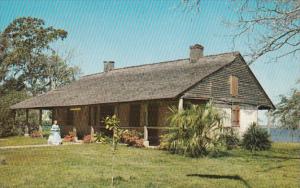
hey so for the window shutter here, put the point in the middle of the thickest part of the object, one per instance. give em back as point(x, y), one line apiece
point(234, 85)
point(235, 115)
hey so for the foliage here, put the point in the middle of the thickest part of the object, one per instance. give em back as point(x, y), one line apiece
point(7, 127)
point(288, 111)
point(70, 137)
point(36, 134)
point(230, 139)
point(27, 59)
point(46, 130)
point(194, 131)
point(132, 138)
point(29, 65)
point(256, 138)
point(102, 138)
point(113, 124)
point(87, 139)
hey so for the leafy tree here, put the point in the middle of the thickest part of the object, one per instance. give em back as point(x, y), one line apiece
point(27, 58)
point(288, 111)
point(7, 127)
point(194, 131)
point(28, 63)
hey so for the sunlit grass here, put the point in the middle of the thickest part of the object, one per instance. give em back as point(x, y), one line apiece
point(21, 140)
point(89, 165)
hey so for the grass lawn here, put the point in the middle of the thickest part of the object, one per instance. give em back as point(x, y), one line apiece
point(89, 165)
point(21, 140)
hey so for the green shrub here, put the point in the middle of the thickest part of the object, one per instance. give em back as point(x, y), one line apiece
point(194, 131)
point(256, 139)
point(102, 138)
point(230, 139)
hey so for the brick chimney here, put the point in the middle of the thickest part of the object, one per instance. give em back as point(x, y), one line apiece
point(109, 66)
point(196, 52)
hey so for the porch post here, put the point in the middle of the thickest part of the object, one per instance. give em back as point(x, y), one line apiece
point(53, 114)
point(14, 112)
point(40, 116)
point(146, 141)
point(92, 134)
point(116, 110)
point(26, 126)
point(75, 134)
point(180, 104)
point(269, 122)
point(40, 122)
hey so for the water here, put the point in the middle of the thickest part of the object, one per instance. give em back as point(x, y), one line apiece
point(284, 135)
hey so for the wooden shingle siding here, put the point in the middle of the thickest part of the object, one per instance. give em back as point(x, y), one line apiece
point(217, 86)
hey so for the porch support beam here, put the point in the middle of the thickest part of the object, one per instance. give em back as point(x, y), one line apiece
point(27, 114)
point(26, 132)
point(40, 122)
point(269, 120)
point(40, 117)
point(116, 110)
point(14, 112)
point(145, 109)
point(53, 111)
point(180, 104)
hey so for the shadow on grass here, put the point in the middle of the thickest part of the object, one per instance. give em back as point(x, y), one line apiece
point(213, 176)
point(219, 154)
point(275, 168)
point(274, 157)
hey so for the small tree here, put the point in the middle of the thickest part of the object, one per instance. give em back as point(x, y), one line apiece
point(193, 131)
point(113, 124)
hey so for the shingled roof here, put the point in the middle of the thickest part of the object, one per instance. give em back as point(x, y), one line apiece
point(146, 82)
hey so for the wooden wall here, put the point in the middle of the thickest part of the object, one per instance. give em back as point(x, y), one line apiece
point(217, 86)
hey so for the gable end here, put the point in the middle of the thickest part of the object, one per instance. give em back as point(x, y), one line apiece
point(217, 87)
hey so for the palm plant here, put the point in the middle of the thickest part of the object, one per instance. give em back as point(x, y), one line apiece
point(194, 131)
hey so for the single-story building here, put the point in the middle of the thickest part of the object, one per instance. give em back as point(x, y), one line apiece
point(141, 95)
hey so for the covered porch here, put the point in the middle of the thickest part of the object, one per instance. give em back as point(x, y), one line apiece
point(146, 117)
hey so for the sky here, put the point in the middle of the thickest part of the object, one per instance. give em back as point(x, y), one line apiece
point(141, 32)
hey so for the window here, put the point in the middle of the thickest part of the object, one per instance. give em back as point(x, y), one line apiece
point(235, 116)
point(234, 86)
point(134, 115)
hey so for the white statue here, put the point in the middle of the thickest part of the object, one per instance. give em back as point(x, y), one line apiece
point(54, 137)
